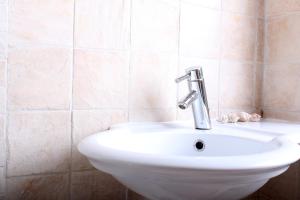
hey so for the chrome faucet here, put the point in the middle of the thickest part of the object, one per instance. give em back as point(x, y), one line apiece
point(197, 97)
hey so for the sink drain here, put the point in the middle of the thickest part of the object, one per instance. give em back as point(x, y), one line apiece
point(199, 145)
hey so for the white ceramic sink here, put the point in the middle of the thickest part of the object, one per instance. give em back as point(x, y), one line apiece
point(162, 161)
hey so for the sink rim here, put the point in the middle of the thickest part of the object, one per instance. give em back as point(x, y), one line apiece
point(265, 160)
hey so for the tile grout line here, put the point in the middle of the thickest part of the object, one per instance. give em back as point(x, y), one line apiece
point(265, 52)
point(178, 59)
point(71, 105)
point(264, 58)
point(254, 70)
point(220, 59)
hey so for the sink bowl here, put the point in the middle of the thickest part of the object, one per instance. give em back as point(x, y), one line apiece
point(172, 161)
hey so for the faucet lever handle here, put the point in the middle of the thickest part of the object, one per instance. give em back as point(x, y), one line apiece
point(181, 78)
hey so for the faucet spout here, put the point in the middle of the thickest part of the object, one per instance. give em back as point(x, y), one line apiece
point(188, 100)
point(197, 98)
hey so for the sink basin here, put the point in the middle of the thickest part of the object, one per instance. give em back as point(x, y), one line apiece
point(172, 161)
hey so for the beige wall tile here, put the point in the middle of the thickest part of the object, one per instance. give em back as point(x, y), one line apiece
point(2, 152)
point(239, 37)
point(3, 45)
point(2, 141)
point(279, 7)
point(282, 115)
point(53, 187)
point(260, 43)
point(152, 80)
point(211, 76)
point(2, 99)
point(38, 142)
point(2, 85)
point(39, 78)
point(102, 24)
point(236, 85)
point(259, 70)
point(86, 123)
point(247, 7)
point(282, 71)
point(2, 181)
point(156, 115)
point(2, 72)
point(282, 39)
point(155, 25)
point(100, 79)
point(216, 4)
point(281, 87)
point(3, 29)
point(199, 31)
point(3, 16)
point(41, 22)
point(95, 185)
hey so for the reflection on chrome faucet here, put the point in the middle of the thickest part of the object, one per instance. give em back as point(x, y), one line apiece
point(197, 97)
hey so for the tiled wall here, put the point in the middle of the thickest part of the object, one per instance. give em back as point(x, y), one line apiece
point(282, 60)
point(281, 88)
point(225, 37)
point(74, 67)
